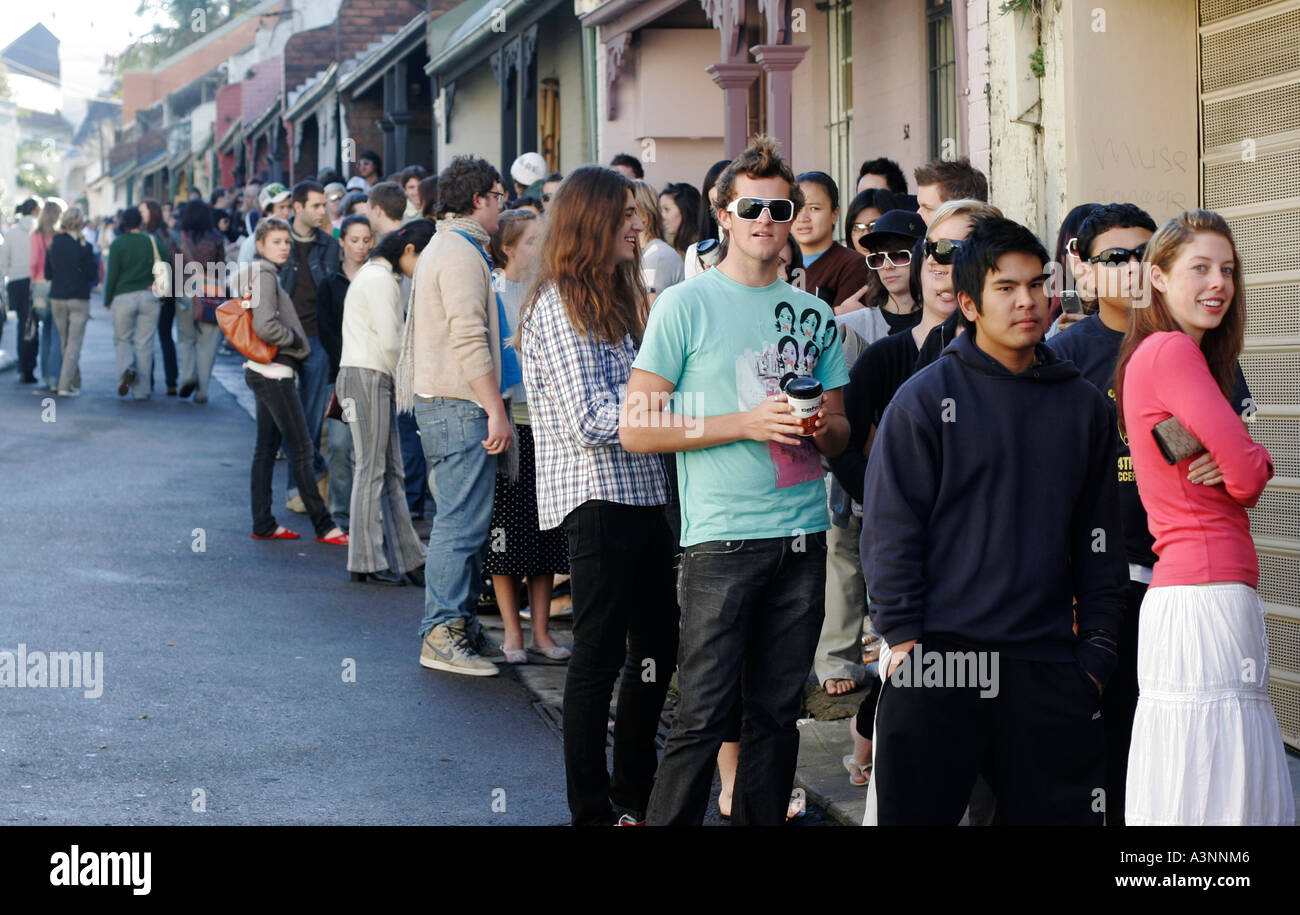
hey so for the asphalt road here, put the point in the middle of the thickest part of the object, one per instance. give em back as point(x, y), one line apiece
point(223, 682)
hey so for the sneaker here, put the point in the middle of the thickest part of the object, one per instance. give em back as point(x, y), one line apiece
point(296, 504)
point(125, 382)
point(486, 648)
point(446, 647)
point(74, 392)
point(628, 820)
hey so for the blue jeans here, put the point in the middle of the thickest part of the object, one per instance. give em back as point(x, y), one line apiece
point(314, 389)
point(415, 469)
point(339, 441)
point(751, 614)
point(462, 479)
point(51, 351)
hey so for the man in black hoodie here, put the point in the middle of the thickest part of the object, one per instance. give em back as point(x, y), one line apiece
point(992, 504)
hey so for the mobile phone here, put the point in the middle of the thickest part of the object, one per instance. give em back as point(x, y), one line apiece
point(1071, 303)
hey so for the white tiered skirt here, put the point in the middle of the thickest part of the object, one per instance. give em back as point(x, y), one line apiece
point(1207, 750)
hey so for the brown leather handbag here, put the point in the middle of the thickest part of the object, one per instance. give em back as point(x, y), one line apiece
point(236, 321)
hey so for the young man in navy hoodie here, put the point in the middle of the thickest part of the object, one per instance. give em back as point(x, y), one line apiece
point(993, 506)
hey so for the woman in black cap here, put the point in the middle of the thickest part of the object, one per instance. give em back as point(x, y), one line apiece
point(888, 248)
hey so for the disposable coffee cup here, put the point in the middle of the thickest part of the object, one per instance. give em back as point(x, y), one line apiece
point(804, 395)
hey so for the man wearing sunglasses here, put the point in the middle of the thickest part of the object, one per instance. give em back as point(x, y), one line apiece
point(753, 500)
point(549, 186)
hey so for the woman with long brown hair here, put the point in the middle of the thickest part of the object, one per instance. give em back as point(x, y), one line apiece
point(1206, 746)
point(579, 334)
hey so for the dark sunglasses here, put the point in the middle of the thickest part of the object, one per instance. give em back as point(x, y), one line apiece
point(877, 260)
point(943, 250)
point(751, 208)
point(1117, 257)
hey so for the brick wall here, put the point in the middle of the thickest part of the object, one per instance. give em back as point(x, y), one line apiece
point(308, 52)
point(363, 115)
point(142, 88)
point(261, 87)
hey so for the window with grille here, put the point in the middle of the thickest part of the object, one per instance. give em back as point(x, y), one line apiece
point(839, 19)
point(943, 75)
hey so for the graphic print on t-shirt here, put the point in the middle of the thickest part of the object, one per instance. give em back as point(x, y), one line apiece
point(792, 351)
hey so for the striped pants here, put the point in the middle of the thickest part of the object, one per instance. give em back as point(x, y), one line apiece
point(380, 533)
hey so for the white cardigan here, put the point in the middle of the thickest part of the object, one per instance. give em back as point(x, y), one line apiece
point(372, 319)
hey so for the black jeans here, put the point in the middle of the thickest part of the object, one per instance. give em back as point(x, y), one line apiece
point(20, 300)
point(166, 315)
point(1037, 737)
point(1118, 705)
point(280, 416)
point(624, 617)
point(751, 614)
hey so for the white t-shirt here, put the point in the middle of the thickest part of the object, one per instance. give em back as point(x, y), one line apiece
point(661, 266)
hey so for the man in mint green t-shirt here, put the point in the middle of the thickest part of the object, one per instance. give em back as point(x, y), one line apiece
point(708, 384)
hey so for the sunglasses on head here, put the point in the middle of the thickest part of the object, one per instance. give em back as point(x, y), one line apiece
point(751, 208)
point(943, 250)
point(878, 260)
point(1117, 257)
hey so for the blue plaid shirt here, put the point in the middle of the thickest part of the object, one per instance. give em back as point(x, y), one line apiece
point(575, 387)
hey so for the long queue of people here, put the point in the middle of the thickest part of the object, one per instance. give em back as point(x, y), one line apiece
point(740, 437)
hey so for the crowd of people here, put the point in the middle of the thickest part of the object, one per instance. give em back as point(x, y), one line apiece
point(999, 494)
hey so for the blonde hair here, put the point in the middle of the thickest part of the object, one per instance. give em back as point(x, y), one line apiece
point(964, 206)
point(647, 201)
point(72, 221)
point(266, 225)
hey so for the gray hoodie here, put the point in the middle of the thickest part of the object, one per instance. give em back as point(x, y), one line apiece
point(275, 319)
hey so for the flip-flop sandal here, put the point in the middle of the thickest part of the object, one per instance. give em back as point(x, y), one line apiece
point(857, 772)
point(797, 807)
point(555, 654)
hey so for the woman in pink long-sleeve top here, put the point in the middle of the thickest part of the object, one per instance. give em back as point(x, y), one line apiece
point(1206, 747)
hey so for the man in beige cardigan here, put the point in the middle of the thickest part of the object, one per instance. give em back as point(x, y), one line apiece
point(450, 371)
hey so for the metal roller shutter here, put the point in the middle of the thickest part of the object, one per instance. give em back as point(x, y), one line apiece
point(1250, 172)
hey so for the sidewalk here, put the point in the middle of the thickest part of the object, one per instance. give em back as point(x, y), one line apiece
point(814, 775)
point(823, 741)
point(823, 744)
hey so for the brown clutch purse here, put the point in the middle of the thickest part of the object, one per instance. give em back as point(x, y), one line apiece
point(1175, 442)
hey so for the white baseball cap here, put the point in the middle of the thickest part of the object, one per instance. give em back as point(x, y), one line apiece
point(528, 169)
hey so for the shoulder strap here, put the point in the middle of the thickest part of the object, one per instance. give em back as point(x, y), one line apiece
point(473, 241)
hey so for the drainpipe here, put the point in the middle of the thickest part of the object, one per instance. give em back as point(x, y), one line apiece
point(592, 91)
point(962, 53)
